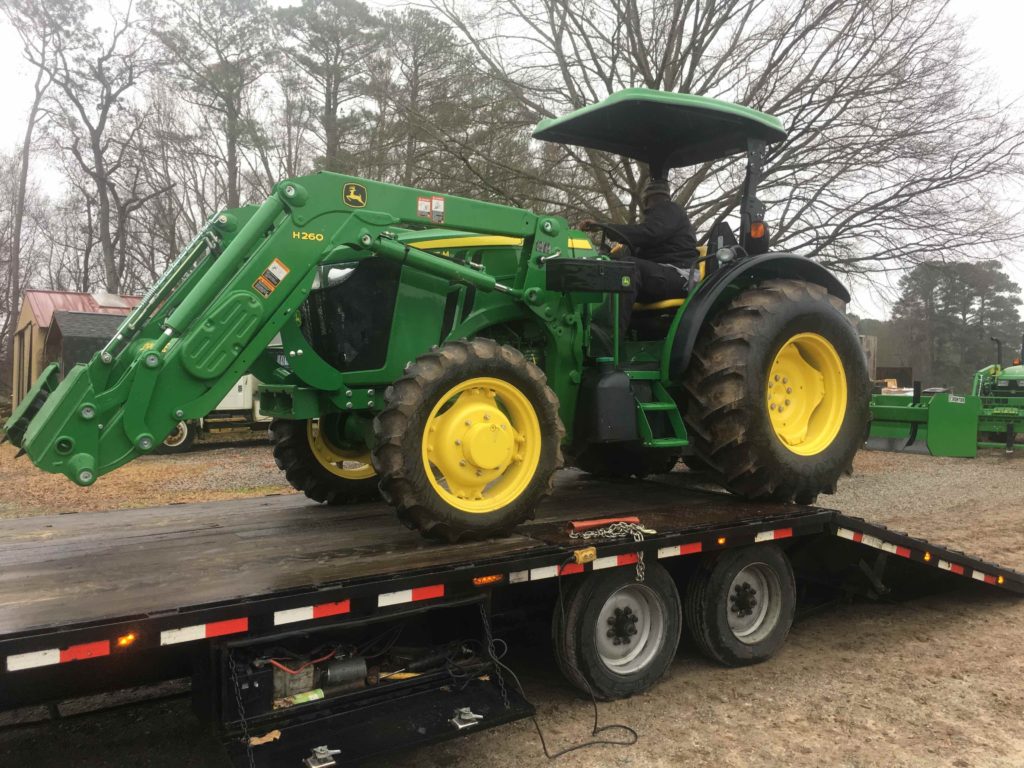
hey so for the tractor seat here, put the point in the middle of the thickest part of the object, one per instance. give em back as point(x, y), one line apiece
point(652, 321)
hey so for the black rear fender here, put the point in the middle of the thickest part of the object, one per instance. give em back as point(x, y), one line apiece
point(722, 284)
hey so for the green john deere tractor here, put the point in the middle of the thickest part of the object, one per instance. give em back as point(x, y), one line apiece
point(447, 353)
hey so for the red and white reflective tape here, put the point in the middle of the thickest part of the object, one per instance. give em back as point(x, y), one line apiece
point(693, 548)
point(45, 658)
point(775, 535)
point(204, 631)
point(410, 595)
point(988, 579)
point(951, 567)
point(614, 561)
point(310, 612)
point(872, 541)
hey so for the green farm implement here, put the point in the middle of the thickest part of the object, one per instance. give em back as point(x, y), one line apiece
point(448, 353)
point(991, 416)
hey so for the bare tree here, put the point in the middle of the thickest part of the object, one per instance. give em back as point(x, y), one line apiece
point(95, 125)
point(328, 42)
point(219, 49)
point(37, 25)
point(895, 145)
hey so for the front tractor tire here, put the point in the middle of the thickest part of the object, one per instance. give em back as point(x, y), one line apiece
point(313, 465)
point(777, 393)
point(468, 441)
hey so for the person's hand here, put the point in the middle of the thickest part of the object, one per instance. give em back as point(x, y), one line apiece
point(588, 225)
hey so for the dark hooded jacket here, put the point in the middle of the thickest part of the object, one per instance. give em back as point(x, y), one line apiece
point(665, 236)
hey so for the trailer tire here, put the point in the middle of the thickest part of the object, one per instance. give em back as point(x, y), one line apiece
point(443, 462)
point(733, 621)
point(737, 389)
point(609, 606)
point(295, 454)
point(180, 440)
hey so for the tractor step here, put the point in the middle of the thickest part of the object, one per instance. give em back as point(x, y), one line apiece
point(664, 403)
point(667, 442)
point(658, 406)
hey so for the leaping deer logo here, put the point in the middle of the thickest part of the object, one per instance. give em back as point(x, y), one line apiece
point(354, 195)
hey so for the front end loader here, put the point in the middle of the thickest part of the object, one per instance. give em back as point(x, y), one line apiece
point(450, 354)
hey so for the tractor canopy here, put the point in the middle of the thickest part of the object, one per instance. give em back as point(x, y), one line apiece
point(663, 129)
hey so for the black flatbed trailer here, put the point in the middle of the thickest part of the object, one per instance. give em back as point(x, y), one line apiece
point(94, 599)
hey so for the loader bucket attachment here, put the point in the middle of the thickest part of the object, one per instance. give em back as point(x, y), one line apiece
point(17, 424)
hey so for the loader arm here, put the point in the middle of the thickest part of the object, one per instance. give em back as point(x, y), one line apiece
point(208, 320)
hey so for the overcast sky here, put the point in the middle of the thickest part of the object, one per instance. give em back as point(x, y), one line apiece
point(995, 32)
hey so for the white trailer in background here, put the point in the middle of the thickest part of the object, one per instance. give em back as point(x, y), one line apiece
point(240, 409)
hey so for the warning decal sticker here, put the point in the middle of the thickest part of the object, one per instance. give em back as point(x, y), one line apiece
point(423, 207)
point(437, 209)
point(272, 276)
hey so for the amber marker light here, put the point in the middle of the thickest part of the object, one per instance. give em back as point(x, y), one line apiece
point(1000, 580)
point(927, 557)
point(483, 581)
point(721, 541)
point(757, 230)
point(125, 640)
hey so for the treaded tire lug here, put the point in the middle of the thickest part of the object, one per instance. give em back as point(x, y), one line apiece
point(724, 411)
point(293, 456)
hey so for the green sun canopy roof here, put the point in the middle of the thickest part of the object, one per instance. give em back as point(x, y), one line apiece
point(661, 128)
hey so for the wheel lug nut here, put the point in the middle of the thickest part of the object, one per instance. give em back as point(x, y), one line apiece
point(776, 377)
point(773, 406)
point(462, 462)
point(787, 402)
point(611, 633)
point(611, 621)
point(458, 442)
point(789, 390)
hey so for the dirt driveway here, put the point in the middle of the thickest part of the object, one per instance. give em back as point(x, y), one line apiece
point(933, 682)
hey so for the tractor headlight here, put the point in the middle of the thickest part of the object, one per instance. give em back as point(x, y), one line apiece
point(725, 255)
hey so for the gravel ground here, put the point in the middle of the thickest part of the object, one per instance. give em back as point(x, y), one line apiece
point(932, 682)
point(222, 466)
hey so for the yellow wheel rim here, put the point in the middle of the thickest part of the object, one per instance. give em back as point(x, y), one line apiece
point(807, 394)
point(481, 445)
point(348, 465)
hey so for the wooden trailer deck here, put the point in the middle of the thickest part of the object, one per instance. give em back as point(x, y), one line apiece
point(84, 568)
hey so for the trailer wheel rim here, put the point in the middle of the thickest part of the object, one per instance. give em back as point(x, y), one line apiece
point(755, 603)
point(481, 445)
point(630, 629)
point(178, 436)
point(806, 394)
point(349, 465)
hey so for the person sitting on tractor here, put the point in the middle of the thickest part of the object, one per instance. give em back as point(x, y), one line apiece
point(662, 248)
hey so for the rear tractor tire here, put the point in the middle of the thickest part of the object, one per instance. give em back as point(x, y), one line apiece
point(313, 465)
point(777, 393)
point(468, 441)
